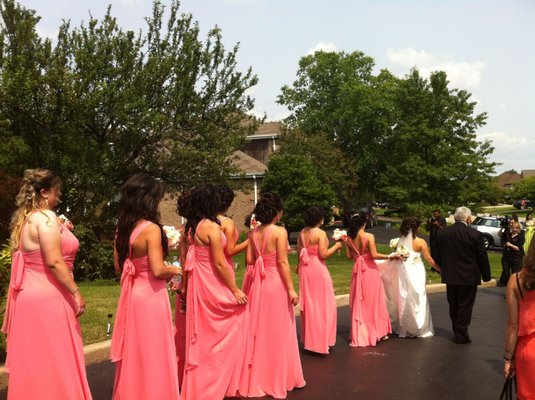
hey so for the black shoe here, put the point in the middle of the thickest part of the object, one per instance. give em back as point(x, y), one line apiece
point(500, 284)
point(462, 341)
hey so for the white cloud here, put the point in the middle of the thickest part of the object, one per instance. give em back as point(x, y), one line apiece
point(503, 141)
point(461, 74)
point(325, 47)
point(510, 151)
point(45, 32)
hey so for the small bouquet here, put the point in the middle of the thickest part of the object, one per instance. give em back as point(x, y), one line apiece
point(394, 243)
point(66, 222)
point(173, 235)
point(403, 252)
point(175, 284)
point(254, 223)
point(339, 234)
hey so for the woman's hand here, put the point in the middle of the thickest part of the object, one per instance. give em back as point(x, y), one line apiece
point(80, 303)
point(294, 297)
point(508, 368)
point(240, 297)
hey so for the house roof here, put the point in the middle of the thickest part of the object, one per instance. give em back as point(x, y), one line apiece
point(527, 173)
point(508, 178)
point(268, 129)
point(249, 165)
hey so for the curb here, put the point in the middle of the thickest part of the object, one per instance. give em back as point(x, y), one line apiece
point(98, 352)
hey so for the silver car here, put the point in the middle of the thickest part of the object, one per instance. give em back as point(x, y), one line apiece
point(490, 228)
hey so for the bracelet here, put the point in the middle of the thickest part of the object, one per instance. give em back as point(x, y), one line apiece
point(74, 291)
point(507, 359)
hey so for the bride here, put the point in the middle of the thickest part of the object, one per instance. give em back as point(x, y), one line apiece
point(404, 282)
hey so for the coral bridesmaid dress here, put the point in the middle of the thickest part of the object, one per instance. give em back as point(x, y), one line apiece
point(142, 344)
point(369, 316)
point(317, 301)
point(214, 341)
point(525, 347)
point(45, 358)
point(272, 364)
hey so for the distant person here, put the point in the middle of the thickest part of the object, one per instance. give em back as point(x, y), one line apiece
point(318, 304)
point(519, 356)
point(463, 260)
point(513, 251)
point(45, 356)
point(370, 321)
point(528, 234)
point(435, 224)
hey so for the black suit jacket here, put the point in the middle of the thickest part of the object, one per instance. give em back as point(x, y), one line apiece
point(462, 256)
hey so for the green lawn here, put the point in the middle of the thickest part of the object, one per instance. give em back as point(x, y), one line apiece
point(102, 296)
point(506, 211)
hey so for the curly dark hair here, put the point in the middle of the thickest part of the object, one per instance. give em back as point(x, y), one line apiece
point(529, 268)
point(139, 199)
point(409, 224)
point(313, 216)
point(267, 208)
point(356, 223)
point(227, 197)
point(201, 202)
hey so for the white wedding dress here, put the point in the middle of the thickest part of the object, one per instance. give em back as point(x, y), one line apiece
point(406, 298)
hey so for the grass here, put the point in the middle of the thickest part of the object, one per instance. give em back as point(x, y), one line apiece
point(506, 211)
point(102, 296)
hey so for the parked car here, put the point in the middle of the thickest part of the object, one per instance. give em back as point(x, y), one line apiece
point(523, 204)
point(490, 227)
point(371, 215)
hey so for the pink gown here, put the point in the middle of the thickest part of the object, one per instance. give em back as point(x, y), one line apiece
point(214, 341)
point(525, 347)
point(272, 363)
point(142, 344)
point(317, 301)
point(45, 357)
point(369, 315)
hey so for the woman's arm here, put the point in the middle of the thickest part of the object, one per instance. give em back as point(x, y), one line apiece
point(299, 247)
point(116, 265)
point(425, 252)
point(348, 248)
point(373, 249)
point(213, 232)
point(323, 246)
point(281, 237)
point(160, 270)
point(511, 332)
point(49, 235)
point(232, 248)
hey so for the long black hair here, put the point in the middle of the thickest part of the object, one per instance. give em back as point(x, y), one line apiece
point(227, 197)
point(201, 202)
point(267, 208)
point(355, 224)
point(140, 198)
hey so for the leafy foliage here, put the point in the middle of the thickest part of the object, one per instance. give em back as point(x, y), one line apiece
point(525, 188)
point(295, 179)
point(95, 258)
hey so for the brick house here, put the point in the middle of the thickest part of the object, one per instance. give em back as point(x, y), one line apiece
point(251, 161)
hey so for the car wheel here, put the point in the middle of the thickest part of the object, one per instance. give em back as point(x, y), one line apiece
point(487, 240)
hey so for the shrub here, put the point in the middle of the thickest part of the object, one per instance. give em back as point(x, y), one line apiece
point(95, 257)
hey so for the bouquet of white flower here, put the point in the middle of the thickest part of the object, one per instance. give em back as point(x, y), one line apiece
point(403, 253)
point(66, 222)
point(394, 243)
point(254, 223)
point(173, 236)
point(339, 234)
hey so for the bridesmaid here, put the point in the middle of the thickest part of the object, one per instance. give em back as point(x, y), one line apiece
point(45, 358)
point(142, 345)
point(214, 305)
point(318, 304)
point(370, 321)
point(272, 364)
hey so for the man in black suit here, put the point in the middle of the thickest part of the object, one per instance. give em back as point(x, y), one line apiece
point(463, 259)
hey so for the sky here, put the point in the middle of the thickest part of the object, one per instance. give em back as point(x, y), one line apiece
point(487, 47)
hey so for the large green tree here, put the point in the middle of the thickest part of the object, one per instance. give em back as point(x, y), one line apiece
point(101, 103)
point(408, 139)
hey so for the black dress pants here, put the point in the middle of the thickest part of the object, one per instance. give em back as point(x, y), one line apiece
point(511, 264)
point(461, 299)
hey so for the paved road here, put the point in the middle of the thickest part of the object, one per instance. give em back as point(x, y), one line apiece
point(398, 369)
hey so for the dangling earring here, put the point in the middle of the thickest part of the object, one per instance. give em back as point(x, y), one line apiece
point(46, 201)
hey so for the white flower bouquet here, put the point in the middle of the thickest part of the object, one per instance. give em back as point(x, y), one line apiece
point(339, 234)
point(66, 222)
point(173, 236)
point(394, 243)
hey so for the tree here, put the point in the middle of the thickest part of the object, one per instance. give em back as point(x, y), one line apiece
point(410, 140)
point(524, 189)
point(294, 178)
point(103, 103)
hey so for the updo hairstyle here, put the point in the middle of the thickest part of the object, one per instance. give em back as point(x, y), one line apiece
point(356, 223)
point(313, 216)
point(267, 208)
point(409, 224)
point(29, 198)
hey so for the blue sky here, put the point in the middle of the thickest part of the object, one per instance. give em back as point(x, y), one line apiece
point(486, 46)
